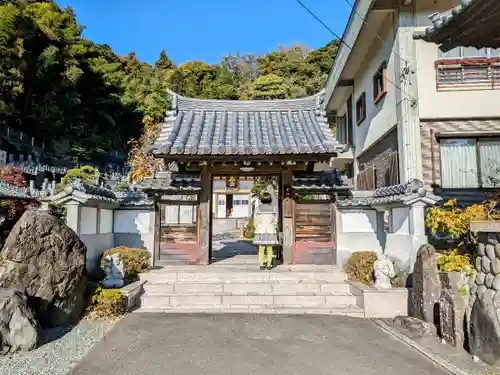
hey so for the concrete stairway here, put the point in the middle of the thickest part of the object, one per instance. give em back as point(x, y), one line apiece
point(238, 286)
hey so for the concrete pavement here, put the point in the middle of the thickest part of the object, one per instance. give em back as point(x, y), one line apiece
point(161, 344)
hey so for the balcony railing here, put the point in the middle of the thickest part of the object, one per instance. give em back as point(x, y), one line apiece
point(468, 74)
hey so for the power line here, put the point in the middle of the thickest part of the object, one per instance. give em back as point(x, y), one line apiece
point(348, 46)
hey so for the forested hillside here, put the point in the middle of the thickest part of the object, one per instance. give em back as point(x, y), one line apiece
point(56, 85)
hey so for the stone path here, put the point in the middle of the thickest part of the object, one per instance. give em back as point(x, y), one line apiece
point(227, 245)
point(157, 344)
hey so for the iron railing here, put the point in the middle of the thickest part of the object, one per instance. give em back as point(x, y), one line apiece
point(468, 74)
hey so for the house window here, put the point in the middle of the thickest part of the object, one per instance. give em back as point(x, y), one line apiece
point(361, 108)
point(470, 163)
point(468, 68)
point(380, 83)
point(341, 131)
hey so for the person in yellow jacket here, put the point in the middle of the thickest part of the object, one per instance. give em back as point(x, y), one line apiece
point(266, 234)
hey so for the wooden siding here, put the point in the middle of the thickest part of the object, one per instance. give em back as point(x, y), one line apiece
point(313, 222)
point(380, 162)
point(367, 179)
point(314, 233)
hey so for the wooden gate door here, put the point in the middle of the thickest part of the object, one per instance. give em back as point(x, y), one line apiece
point(314, 233)
point(178, 237)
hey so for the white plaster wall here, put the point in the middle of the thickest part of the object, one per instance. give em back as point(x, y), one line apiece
point(105, 221)
point(380, 116)
point(131, 221)
point(72, 216)
point(88, 220)
point(357, 230)
point(400, 220)
point(96, 245)
point(359, 221)
point(435, 104)
point(135, 228)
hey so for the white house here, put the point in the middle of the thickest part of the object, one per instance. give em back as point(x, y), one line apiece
point(409, 110)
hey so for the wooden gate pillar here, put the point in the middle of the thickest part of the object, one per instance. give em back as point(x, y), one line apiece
point(288, 209)
point(205, 219)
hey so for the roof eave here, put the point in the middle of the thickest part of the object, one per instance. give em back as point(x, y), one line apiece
point(340, 61)
point(454, 21)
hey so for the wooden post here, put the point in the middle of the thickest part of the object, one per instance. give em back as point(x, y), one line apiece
point(287, 216)
point(205, 219)
point(157, 234)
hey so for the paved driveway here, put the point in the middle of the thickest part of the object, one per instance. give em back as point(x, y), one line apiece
point(158, 344)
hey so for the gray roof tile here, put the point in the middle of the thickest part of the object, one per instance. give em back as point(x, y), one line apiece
point(172, 182)
point(458, 25)
point(405, 194)
point(246, 127)
point(318, 181)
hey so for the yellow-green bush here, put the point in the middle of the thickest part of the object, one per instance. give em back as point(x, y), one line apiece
point(107, 303)
point(454, 261)
point(134, 260)
point(360, 266)
point(249, 232)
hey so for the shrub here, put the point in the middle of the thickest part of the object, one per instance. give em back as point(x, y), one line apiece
point(455, 221)
point(121, 186)
point(249, 232)
point(454, 261)
point(107, 303)
point(12, 175)
point(87, 174)
point(134, 260)
point(360, 266)
point(58, 209)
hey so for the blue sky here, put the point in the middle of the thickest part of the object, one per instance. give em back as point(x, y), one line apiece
point(206, 29)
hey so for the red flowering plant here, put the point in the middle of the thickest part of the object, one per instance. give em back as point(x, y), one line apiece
point(13, 209)
point(12, 175)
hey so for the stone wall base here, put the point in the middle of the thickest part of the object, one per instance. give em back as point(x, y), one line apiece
point(380, 303)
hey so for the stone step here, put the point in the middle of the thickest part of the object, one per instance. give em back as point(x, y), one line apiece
point(222, 299)
point(225, 266)
point(248, 287)
point(353, 311)
point(246, 276)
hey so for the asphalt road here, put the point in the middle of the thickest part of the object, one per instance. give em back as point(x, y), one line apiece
point(160, 344)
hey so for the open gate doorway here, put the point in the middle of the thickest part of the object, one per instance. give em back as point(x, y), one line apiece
point(231, 237)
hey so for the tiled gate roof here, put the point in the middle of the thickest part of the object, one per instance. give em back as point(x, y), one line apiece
point(246, 127)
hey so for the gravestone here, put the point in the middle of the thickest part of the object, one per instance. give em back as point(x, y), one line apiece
point(447, 317)
point(426, 286)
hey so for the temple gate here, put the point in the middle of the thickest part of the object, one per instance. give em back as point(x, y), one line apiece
point(202, 138)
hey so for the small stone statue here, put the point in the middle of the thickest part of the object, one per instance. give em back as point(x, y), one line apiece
point(113, 268)
point(383, 270)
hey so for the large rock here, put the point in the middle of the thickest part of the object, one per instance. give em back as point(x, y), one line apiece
point(45, 257)
point(484, 340)
point(18, 326)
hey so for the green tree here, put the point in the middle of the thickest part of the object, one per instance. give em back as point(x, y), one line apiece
point(163, 63)
point(269, 86)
